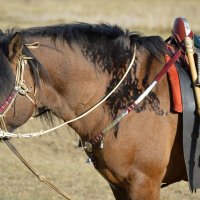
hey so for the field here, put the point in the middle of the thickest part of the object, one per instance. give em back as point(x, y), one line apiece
point(56, 155)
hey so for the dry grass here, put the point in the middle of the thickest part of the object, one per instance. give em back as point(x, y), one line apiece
point(155, 18)
point(55, 155)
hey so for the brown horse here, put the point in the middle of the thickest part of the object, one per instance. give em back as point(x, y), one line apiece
point(73, 68)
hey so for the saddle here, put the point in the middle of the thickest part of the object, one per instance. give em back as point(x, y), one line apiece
point(180, 30)
point(182, 80)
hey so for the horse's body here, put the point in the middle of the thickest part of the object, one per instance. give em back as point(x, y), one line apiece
point(81, 64)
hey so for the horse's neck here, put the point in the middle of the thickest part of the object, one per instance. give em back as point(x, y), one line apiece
point(75, 86)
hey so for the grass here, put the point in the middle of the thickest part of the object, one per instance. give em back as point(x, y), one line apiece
point(55, 155)
point(155, 18)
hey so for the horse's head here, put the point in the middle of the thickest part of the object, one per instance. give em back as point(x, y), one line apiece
point(15, 109)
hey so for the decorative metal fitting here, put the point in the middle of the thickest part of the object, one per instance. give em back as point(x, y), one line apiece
point(88, 146)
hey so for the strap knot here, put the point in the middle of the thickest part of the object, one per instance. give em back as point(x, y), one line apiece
point(41, 177)
point(19, 135)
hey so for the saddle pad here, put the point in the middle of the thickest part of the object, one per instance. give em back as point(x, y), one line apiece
point(191, 140)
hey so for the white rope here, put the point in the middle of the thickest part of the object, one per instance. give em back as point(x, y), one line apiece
point(29, 135)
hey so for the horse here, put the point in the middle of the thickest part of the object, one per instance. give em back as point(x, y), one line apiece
point(72, 69)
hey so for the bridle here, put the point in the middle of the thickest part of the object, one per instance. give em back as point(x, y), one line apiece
point(19, 88)
point(22, 89)
point(21, 64)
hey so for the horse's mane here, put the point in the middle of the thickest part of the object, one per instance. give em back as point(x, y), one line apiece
point(90, 36)
point(111, 43)
point(102, 40)
point(84, 32)
point(76, 32)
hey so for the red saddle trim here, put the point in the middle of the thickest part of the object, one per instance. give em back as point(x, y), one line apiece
point(175, 87)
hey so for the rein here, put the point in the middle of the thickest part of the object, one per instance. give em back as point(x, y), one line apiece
point(21, 88)
point(4, 134)
point(99, 137)
point(41, 178)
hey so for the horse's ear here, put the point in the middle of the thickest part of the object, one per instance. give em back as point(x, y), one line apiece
point(14, 46)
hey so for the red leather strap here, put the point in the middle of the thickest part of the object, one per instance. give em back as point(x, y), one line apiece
point(8, 101)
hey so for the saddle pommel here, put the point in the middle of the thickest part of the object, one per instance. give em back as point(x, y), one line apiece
point(181, 30)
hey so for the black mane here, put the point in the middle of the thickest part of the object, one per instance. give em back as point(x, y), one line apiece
point(111, 48)
point(76, 32)
point(107, 46)
point(79, 32)
point(102, 40)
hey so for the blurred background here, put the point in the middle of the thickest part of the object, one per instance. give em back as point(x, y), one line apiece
point(56, 155)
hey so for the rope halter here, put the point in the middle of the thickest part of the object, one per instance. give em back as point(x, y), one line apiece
point(20, 86)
